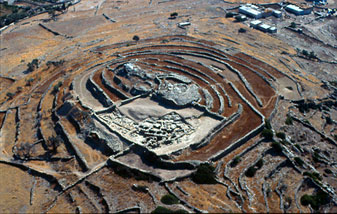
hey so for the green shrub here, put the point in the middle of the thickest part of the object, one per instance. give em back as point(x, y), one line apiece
point(10, 95)
point(316, 157)
point(57, 87)
point(281, 135)
point(33, 65)
point(277, 147)
point(307, 122)
point(299, 161)
point(259, 164)
point(242, 30)
point(315, 201)
point(250, 172)
point(161, 209)
point(169, 199)
point(314, 175)
point(327, 171)
point(289, 121)
point(205, 174)
point(268, 134)
point(235, 161)
point(298, 147)
point(305, 52)
point(174, 14)
point(29, 81)
point(267, 124)
point(293, 25)
point(230, 15)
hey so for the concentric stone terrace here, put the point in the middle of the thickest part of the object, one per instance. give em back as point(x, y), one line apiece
point(172, 97)
point(170, 93)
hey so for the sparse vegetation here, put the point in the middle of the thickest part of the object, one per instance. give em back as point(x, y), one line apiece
point(53, 143)
point(29, 81)
point(136, 38)
point(23, 151)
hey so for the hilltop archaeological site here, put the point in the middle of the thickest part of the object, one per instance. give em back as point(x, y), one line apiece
point(171, 106)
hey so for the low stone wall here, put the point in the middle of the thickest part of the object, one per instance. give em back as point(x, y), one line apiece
point(111, 88)
point(245, 82)
point(182, 201)
point(65, 136)
point(217, 129)
point(221, 100)
point(113, 162)
point(97, 92)
point(244, 139)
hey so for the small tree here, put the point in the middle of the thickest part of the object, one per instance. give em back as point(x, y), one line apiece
point(267, 134)
point(169, 199)
point(293, 25)
point(34, 64)
point(277, 147)
point(29, 81)
point(299, 161)
point(57, 87)
point(312, 55)
point(174, 14)
point(289, 120)
point(281, 135)
point(229, 14)
point(250, 171)
point(10, 95)
point(242, 30)
point(205, 174)
point(136, 38)
point(235, 161)
point(305, 52)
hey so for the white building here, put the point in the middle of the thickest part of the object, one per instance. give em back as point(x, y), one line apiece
point(255, 23)
point(272, 30)
point(250, 11)
point(297, 11)
point(277, 13)
point(263, 27)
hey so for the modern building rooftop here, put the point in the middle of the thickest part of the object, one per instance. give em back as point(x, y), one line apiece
point(250, 11)
point(255, 23)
